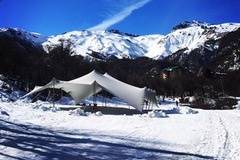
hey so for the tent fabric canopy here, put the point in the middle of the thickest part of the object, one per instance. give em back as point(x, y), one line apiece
point(94, 82)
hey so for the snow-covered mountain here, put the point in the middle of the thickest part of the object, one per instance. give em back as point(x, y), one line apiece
point(104, 42)
point(32, 37)
point(187, 35)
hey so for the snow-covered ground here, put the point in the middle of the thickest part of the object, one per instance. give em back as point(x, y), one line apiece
point(28, 133)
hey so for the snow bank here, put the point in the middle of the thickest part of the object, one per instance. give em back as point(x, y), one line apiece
point(42, 107)
point(78, 112)
point(98, 113)
point(187, 110)
point(45, 106)
point(237, 106)
point(156, 114)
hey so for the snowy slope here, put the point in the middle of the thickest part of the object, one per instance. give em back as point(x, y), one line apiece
point(33, 134)
point(192, 36)
point(33, 37)
point(106, 43)
point(187, 35)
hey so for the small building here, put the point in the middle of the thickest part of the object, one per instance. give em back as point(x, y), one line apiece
point(171, 72)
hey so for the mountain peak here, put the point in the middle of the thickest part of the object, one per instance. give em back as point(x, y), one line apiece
point(187, 24)
point(33, 37)
point(116, 31)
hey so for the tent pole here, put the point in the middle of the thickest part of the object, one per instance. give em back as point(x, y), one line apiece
point(61, 93)
point(36, 96)
point(49, 94)
point(94, 91)
point(53, 97)
point(102, 101)
point(144, 104)
point(147, 104)
point(105, 101)
point(151, 105)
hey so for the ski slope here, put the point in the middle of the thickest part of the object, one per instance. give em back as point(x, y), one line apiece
point(34, 134)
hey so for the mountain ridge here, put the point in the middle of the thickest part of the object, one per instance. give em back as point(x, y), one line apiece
point(113, 43)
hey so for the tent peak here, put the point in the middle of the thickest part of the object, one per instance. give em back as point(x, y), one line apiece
point(106, 74)
point(54, 79)
point(96, 72)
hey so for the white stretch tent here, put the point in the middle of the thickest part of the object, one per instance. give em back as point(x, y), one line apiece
point(94, 82)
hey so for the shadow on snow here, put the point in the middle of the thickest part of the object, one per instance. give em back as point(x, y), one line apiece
point(35, 142)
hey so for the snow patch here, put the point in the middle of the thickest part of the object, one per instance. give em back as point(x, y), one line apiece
point(157, 114)
point(98, 113)
point(78, 112)
point(237, 106)
point(187, 110)
point(44, 106)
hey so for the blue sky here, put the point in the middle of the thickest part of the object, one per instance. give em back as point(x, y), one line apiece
point(134, 16)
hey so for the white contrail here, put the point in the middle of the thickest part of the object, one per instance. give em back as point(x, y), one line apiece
point(119, 16)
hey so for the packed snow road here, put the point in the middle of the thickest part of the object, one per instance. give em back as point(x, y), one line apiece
point(28, 133)
point(221, 137)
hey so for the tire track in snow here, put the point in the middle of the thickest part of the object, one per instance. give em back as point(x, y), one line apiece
point(232, 148)
point(215, 138)
point(224, 149)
